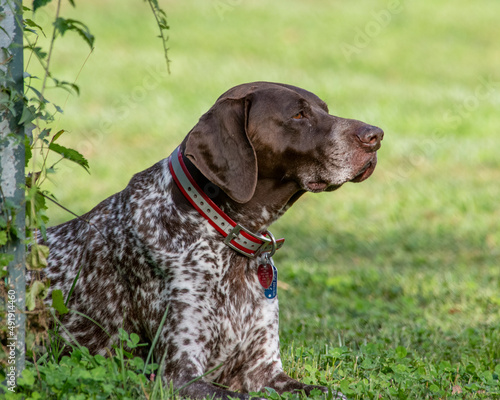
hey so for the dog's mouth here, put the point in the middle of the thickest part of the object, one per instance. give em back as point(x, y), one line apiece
point(363, 174)
point(366, 171)
point(318, 187)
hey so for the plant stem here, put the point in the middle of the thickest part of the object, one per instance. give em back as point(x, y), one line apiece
point(37, 124)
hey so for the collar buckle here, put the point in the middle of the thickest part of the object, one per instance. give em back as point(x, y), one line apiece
point(238, 243)
point(234, 235)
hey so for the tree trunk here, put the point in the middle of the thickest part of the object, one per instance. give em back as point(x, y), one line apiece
point(12, 178)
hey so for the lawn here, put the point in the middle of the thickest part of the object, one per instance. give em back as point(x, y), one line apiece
point(391, 288)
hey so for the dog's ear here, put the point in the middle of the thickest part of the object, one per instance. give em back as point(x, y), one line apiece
point(220, 148)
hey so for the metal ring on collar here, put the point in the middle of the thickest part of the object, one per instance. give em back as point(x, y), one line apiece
point(273, 243)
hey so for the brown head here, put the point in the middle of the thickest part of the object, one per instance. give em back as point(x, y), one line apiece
point(265, 130)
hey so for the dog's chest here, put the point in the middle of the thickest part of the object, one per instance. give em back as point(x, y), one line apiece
point(222, 296)
point(216, 276)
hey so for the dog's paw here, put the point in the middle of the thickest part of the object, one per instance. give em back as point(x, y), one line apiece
point(335, 395)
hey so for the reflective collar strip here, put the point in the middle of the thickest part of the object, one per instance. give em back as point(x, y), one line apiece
point(236, 236)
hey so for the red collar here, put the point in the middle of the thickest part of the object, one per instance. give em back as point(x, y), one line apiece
point(236, 236)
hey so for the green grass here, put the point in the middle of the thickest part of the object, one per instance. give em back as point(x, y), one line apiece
point(394, 284)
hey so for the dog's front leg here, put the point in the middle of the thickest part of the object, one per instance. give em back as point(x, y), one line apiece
point(255, 363)
point(186, 343)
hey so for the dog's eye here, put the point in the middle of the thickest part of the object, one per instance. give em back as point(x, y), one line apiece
point(299, 115)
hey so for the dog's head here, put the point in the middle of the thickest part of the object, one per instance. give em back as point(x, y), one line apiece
point(266, 130)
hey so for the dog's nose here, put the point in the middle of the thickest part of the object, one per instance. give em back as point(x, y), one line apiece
point(370, 137)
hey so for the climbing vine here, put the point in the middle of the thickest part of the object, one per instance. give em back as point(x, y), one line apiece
point(38, 114)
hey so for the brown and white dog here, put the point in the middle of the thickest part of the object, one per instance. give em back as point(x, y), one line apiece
point(189, 237)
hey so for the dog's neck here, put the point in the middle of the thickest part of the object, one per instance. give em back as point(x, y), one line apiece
point(270, 200)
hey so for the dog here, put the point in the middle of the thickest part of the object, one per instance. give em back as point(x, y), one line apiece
point(187, 240)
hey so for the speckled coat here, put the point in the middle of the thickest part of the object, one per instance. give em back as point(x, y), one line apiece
point(146, 250)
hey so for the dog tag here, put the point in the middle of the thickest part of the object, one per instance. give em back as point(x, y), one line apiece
point(272, 290)
point(268, 277)
point(265, 273)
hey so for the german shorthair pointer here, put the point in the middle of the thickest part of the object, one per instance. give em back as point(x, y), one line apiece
point(188, 237)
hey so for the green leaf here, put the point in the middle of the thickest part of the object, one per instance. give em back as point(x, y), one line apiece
point(445, 366)
point(138, 363)
point(434, 388)
point(37, 257)
point(43, 134)
point(400, 368)
point(344, 387)
point(80, 373)
point(57, 135)
point(58, 109)
point(40, 54)
point(62, 25)
point(122, 334)
point(37, 290)
point(101, 360)
point(132, 376)
point(3, 219)
point(99, 373)
point(58, 302)
point(163, 25)
point(401, 352)
point(27, 378)
point(3, 238)
point(70, 154)
point(5, 259)
point(150, 368)
point(28, 115)
point(68, 86)
point(134, 338)
point(471, 369)
point(27, 151)
point(33, 24)
point(39, 3)
point(37, 93)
